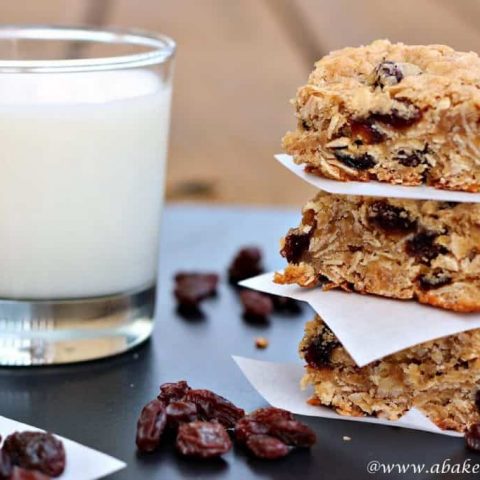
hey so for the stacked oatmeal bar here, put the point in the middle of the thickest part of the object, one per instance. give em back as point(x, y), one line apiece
point(440, 378)
point(406, 115)
point(393, 113)
point(406, 249)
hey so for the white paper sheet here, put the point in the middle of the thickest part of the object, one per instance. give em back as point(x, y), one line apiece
point(374, 188)
point(368, 326)
point(83, 463)
point(279, 385)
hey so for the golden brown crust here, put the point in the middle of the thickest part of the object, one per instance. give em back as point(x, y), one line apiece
point(465, 306)
point(402, 114)
point(301, 274)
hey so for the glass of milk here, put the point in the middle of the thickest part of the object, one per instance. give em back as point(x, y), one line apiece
point(84, 122)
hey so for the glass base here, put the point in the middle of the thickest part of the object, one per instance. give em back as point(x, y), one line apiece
point(55, 332)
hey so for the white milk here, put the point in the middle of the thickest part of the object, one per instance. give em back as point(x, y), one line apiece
point(82, 159)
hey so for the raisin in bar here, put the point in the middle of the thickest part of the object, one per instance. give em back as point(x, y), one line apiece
point(402, 114)
point(440, 378)
point(404, 249)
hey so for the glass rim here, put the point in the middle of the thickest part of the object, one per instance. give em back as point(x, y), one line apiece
point(162, 48)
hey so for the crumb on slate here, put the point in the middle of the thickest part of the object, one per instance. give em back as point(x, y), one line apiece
point(261, 342)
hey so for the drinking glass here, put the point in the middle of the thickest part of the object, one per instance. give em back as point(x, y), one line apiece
point(84, 123)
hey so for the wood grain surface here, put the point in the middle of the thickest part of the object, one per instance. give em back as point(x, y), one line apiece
point(238, 64)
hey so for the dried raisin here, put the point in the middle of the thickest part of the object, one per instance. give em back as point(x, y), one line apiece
point(191, 288)
point(246, 263)
point(472, 437)
point(363, 161)
point(257, 422)
point(293, 433)
point(269, 414)
point(422, 246)
point(180, 412)
point(211, 406)
point(366, 132)
point(256, 306)
point(171, 392)
point(285, 304)
point(435, 279)
point(150, 425)
point(276, 423)
point(203, 439)
point(248, 426)
point(397, 119)
point(390, 218)
point(445, 205)
point(305, 125)
point(36, 451)
point(265, 446)
point(412, 158)
point(403, 115)
point(296, 243)
point(387, 73)
point(477, 400)
point(23, 474)
point(5, 465)
point(317, 353)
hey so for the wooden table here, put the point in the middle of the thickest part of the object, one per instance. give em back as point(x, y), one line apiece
point(240, 61)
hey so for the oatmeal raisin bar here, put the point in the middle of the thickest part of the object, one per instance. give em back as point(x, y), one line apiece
point(403, 114)
point(440, 378)
point(404, 249)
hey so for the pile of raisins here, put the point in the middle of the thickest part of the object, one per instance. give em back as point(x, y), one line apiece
point(202, 421)
point(31, 456)
point(192, 288)
point(197, 418)
point(272, 433)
